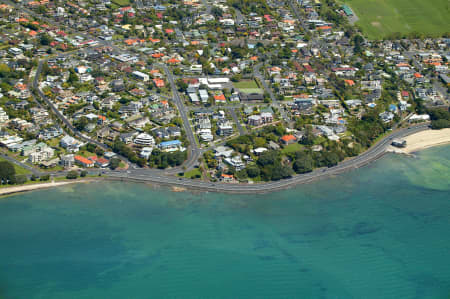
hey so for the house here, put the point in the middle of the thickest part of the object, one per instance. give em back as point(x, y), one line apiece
point(67, 161)
point(159, 83)
point(255, 120)
point(3, 116)
point(203, 95)
point(220, 98)
point(225, 128)
point(50, 133)
point(127, 138)
point(71, 144)
point(117, 85)
point(227, 178)
point(170, 146)
point(146, 152)
point(85, 162)
point(386, 116)
point(235, 162)
point(251, 96)
point(168, 132)
point(40, 152)
point(288, 139)
point(141, 76)
point(101, 162)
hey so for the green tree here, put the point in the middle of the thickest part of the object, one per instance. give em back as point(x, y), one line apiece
point(253, 171)
point(303, 164)
point(45, 39)
point(7, 172)
point(45, 177)
point(20, 179)
point(73, 77)
point(114, 163)
point(72, 175)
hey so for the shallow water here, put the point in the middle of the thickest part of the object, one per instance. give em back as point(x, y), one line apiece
point(378, 232)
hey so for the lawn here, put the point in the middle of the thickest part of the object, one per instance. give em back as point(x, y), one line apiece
point(121, 2)
point(380, 18)
point(192, 173)
point(19, 170)
point(292, 148)
point(247, 86)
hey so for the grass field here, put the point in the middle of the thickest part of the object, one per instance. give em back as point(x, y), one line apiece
point(121, 2)
point(247, 86)
point(19, 170)
point(192, 173)
point(292, 148)
point(381, 18)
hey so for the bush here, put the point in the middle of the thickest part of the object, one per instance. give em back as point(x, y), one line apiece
point(33, 178)
point(7, 172)
point(45, 178)
point(114, 163)
point(72, 175)
point(304, 164)
point(20, 179)
point(83, 173)
point(440, 124)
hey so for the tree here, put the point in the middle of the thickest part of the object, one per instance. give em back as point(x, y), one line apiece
point(45, 39)
point(20, 179)
point(91, 147)
point(72, 175)
point(114, 163)
point(303, 164)
point(141, 162)
point(81, 123)
point(308, 137)
point(45, 178)
point(331, 159)
point(7, 172)
point(358, 40)
point(99, 151)
point(253, 171)
point(440, 124)
point(73, 78)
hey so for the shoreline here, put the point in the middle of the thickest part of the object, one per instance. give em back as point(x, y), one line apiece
point(415, 142)
point(6, 191)
point(422, 140)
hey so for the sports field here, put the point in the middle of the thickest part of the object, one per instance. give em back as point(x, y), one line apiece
point(380, 18)
point(247, 86)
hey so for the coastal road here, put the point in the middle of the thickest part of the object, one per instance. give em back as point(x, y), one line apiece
point(275, 103)
point(374, 153)
point(194, 151)
point(20, 164)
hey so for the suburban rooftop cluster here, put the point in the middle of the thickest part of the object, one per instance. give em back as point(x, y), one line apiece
point(236, 90)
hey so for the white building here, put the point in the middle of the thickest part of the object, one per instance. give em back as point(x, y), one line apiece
point(141, 76)
point(144, 139)
point(71, 144)
point(225, 129)
point(146, 152)
point(3, 116)
point(41, 153)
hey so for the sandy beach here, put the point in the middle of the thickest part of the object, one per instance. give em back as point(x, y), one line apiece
point(37, 186)
point(423, 140)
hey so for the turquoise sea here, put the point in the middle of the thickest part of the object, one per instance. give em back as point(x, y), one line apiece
point(382, 231)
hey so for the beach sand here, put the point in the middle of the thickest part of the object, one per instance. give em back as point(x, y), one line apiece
point(24, 188)
point(423, 140)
